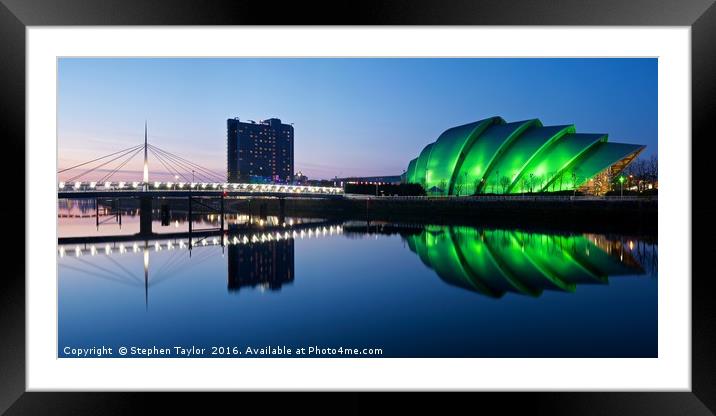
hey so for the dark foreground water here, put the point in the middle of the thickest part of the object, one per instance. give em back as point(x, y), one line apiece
point(290, 287)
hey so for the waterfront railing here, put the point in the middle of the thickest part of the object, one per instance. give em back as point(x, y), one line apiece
point(508, 197)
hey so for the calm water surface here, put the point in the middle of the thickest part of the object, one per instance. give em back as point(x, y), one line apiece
point(408, 290)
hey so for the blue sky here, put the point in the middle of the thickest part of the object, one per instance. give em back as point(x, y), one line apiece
point(352, 116)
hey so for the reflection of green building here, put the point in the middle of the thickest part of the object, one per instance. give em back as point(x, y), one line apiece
point(494, 156)
point(493, 262)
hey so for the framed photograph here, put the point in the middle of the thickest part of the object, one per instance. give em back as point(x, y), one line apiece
point(441, 197)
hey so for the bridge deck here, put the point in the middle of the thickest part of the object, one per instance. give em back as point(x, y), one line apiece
point(132, 193)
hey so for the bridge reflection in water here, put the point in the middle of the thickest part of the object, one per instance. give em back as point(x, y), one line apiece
point(260, 253)
point(491, 262)
point(495, 262)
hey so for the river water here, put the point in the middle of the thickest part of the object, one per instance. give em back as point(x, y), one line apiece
point(308, 287)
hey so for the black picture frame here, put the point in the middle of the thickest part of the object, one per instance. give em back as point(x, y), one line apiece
point(700, 15)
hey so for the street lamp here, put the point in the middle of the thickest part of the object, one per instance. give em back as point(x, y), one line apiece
point(621, 186)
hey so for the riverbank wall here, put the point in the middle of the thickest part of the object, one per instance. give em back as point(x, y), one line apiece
point(598, 215)
point(634, 215)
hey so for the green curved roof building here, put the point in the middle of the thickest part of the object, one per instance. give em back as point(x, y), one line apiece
point(494, 156)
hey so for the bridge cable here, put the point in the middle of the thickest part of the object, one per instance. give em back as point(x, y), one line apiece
point(177, 166)
point(99, 158)
point(197, 166)
point(170, 169)
point(173, 164)
point(208, 172)
point(74, 178)
point(98, 166)
point(202, 177)
point(110, 174)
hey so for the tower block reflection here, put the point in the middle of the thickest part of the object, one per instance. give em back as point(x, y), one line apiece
point(268, 265)
point(494, 262)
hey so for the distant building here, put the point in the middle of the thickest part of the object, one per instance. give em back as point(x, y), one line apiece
point(259, 152)
point(323, 182)
point(300, 178)
point(372, 180)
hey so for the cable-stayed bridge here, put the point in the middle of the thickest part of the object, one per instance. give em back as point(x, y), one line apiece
point(199, 185)
point(97, 178)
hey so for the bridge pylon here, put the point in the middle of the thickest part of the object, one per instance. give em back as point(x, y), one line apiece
point(145, 175)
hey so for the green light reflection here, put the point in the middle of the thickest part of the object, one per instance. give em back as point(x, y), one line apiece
point(494, 262)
